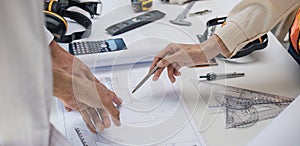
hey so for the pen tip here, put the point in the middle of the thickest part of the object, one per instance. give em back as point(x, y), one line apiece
point(133, 91)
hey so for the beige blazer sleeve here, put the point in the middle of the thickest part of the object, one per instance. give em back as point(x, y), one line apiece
point(250, 19)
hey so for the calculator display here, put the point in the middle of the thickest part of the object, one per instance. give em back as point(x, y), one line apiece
point(116, 44)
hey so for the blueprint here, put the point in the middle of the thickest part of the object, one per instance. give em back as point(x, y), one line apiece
point(155, 115)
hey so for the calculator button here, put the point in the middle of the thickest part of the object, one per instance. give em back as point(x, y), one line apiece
point(103, 50)
point(103, 45)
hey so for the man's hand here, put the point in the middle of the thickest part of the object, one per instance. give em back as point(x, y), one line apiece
point(79, 90)
point(175, 56)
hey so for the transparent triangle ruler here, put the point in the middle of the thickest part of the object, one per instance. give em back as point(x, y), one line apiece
point(242, 107)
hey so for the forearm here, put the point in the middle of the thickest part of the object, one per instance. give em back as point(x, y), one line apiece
point(58, 54)
point(56, 51)
point(60, 57)
point(250, 19)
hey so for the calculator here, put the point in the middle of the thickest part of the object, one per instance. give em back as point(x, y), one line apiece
point(93, 47)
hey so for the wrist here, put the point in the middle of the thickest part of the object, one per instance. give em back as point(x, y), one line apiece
point(212, 47)
point(58, 54)
point(54, 49)
point(223, 49)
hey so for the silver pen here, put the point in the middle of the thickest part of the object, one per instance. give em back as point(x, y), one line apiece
point(145, 78)
point(149, 74)
point(213, 76)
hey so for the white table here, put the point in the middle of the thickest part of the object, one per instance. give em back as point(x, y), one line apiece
point(270, 74)
point(271, 70)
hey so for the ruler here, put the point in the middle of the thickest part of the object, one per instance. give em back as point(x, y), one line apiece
point(243, 107)
point(239, 118)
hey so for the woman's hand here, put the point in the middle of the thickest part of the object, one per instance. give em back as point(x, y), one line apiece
point(175, 56)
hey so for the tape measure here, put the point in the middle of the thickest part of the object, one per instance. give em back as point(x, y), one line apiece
point(141, 5)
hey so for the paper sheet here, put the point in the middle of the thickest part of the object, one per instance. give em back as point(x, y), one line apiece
point(284, 130)
point(155, 115)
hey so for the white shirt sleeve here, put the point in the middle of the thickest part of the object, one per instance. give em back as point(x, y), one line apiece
point(26, 77)
point(250, 19)
point(49, 36)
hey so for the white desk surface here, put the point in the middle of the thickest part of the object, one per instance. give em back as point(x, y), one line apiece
point(271, 70)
